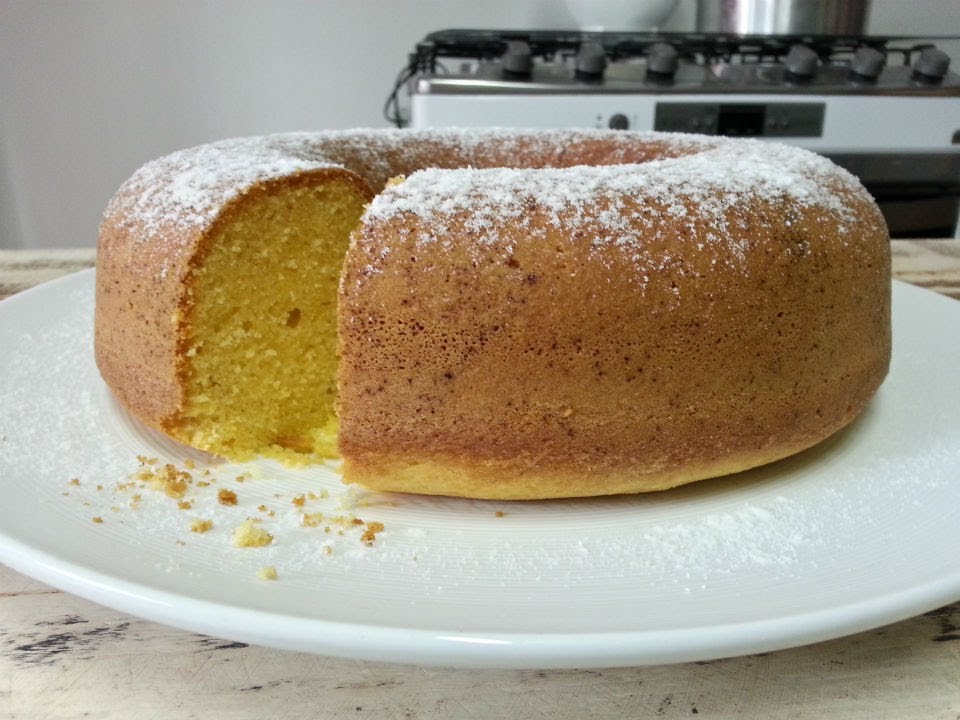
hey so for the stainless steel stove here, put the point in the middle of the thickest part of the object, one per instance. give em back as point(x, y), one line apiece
point(886, 108)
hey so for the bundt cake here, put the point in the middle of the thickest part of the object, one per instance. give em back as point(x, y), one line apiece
point(493, 313)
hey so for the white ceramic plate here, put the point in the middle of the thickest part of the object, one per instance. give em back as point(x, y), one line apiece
point(858, 532)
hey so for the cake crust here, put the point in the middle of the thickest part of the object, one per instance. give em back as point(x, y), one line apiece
point(551, 352)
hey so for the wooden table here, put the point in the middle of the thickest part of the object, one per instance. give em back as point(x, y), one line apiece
point(64, 657)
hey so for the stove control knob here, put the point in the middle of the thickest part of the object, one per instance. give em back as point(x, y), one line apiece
point(801, 62)
point(517, 59)
point(618, 121)
point(591, 60)
point(868, 63)
point(662, 59)
point(931, 64)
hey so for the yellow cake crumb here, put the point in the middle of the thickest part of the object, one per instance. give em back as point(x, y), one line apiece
point(267, 573)
point(248, 534)
point(201, 526)
point(227, 497)
point(370, 534)
point(312, 519)
point(98, 520)
point(172, 481)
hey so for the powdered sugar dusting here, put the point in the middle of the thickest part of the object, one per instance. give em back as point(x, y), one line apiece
point(723, 175)
point(186, 189)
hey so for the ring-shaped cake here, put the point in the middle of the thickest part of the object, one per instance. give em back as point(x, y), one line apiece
point(495, 313)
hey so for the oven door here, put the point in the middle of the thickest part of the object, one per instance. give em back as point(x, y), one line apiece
point(918, 193)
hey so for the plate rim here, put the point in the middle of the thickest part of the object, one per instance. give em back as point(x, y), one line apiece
point(509, 650)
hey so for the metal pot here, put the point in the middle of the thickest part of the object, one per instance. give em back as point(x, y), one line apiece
point(783, 17)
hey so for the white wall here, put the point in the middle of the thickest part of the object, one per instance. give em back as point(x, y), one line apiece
point(89, 90)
